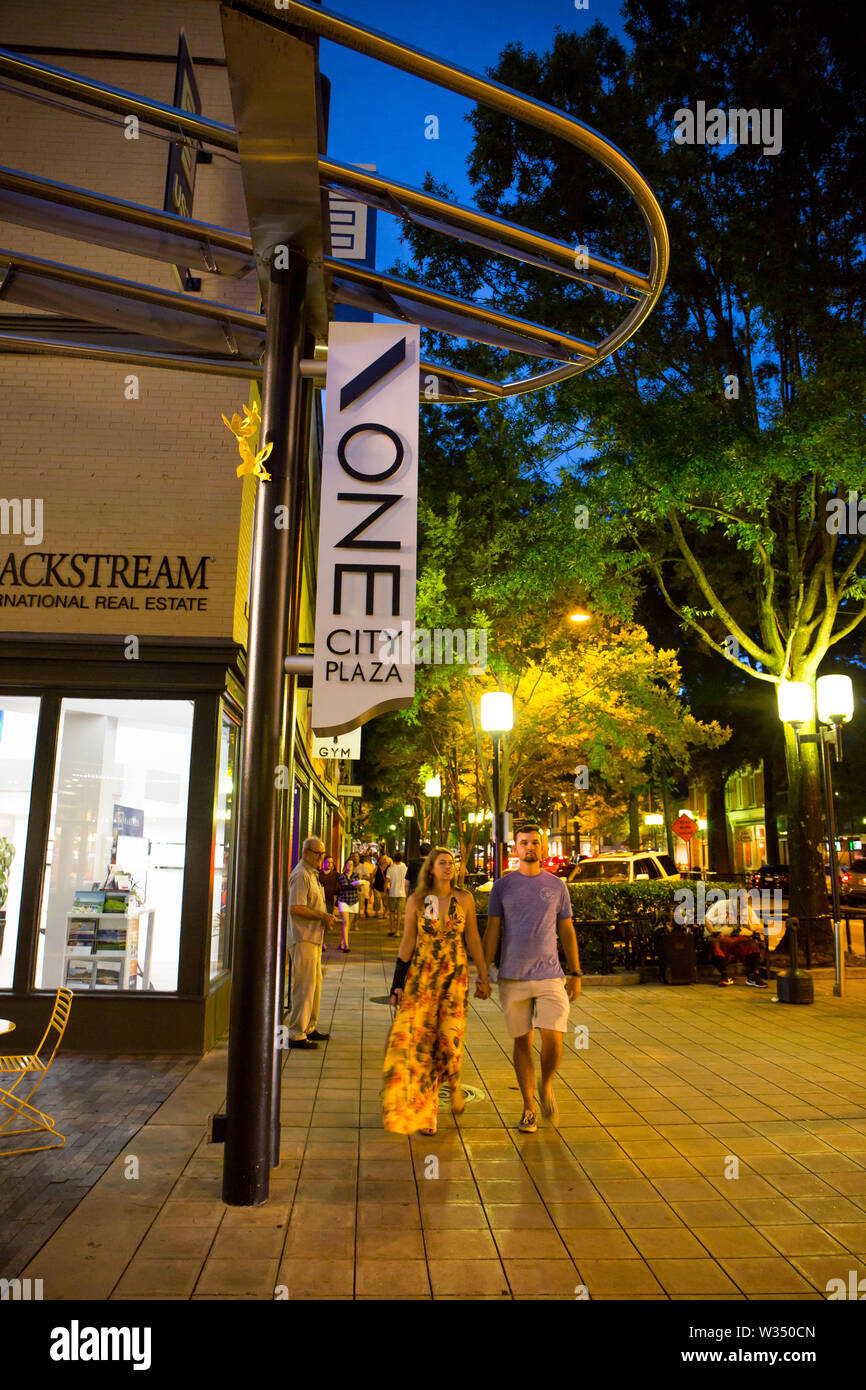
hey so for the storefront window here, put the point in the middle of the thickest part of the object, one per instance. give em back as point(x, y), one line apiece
point(113, 886)
point(224, 839)
point(19, 716)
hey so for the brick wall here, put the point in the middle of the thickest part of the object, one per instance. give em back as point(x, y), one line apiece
point(154, 475)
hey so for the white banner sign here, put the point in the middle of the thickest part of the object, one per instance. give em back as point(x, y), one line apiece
point(338, 745)
point(368, 525)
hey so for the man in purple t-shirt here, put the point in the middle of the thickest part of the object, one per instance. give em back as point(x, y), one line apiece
point(526, 908)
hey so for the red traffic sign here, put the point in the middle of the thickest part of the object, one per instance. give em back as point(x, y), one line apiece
point(685, 826)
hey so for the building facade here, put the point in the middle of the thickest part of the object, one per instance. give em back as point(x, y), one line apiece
point(124, 571)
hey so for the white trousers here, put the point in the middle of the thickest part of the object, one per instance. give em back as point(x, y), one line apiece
point(306, 988)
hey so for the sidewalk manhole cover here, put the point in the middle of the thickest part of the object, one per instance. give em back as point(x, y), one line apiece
point(473, 1094)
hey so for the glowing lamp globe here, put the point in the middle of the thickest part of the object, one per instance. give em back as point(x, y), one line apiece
point(835, 699)
point(497, 712)
point(433, 786)
point(795, 703)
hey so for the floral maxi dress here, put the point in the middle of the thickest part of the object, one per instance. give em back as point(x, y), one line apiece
point(425, 1049)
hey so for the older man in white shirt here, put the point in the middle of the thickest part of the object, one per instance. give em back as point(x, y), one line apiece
point(308, 918)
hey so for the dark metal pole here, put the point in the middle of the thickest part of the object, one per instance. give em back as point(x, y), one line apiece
point(299, 446)
point(497, 829)
point(839, 985)
point(248, 1156)
point(282, 906)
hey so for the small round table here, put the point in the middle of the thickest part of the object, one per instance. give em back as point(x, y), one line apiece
point(6, 1025)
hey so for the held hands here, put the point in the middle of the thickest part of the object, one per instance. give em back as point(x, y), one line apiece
point(572, 986)
point(482, 989)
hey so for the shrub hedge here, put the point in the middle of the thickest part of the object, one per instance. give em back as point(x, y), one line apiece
point(612, 902)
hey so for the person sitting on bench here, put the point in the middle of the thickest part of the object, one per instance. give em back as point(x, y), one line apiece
point(738, 946)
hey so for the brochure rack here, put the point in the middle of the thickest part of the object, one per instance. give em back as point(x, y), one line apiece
point(102, 948)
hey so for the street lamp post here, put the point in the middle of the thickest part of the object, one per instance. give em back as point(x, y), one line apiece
point(408, 813)
point(835, 708)
point(433, 789)
point(652, 818)
point(497, 717)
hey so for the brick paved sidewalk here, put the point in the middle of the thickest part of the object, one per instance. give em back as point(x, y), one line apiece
point(632, 1196)
point(98, 1103)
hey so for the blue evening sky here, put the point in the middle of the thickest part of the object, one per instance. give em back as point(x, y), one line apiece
point(378, 113)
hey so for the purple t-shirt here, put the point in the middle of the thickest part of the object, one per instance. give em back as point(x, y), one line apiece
point(529, 905)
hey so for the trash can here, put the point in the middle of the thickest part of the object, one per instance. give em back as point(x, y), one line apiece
point(677, 960)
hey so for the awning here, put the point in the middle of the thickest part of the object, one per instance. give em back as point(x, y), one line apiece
point(157, 314)
point(90, 217)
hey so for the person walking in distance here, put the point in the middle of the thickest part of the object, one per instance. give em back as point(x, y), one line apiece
point(365, 874)
point(328, 880)
point(396, 880)
point(413, 868)
point(347, 899)
point(526, 908)
point(378, 888)
point(430, 986)
point(308, 918)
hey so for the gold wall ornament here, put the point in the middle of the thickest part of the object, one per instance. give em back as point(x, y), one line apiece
point(243, 428)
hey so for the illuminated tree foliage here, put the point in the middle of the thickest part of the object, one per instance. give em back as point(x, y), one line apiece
point(716, 446)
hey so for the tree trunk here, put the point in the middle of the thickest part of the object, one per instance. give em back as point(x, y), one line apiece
point(805, 835)
point(413, 838)
point(771, 822)
point(666, 802)
point(718, 848)
point(633, 824)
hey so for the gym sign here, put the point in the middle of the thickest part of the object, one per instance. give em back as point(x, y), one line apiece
point(368, 524)
point(338, 745)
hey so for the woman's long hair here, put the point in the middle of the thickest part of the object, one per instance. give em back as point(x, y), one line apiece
point(425, 876)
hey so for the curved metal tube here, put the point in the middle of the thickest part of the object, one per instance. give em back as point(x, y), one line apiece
point(350, 34)
point(451, 219)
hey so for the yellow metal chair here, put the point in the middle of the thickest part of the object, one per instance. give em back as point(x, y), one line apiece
point(36, 1066)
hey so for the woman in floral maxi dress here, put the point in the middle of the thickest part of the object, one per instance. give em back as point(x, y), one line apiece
point(425, 1048)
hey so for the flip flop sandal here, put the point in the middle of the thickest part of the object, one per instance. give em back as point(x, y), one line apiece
point(428, 1133)
point(528, 1122)
point(551, 1111)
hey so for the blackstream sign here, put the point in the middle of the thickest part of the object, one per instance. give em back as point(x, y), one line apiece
point(366, 583)
point(57, 579)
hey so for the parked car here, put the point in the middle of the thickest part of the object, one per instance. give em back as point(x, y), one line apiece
point(778, 876)
point(557, 864)
point(627, 868)
point(619, 868)
point(488, 886)
point(854, 881)
point(772, 876)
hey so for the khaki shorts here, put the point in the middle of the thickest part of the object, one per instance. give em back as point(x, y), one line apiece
point(529, 1004)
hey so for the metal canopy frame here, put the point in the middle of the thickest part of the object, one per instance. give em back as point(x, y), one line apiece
point(86, 215)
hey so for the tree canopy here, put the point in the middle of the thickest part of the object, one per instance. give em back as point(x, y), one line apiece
point(716, 444)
